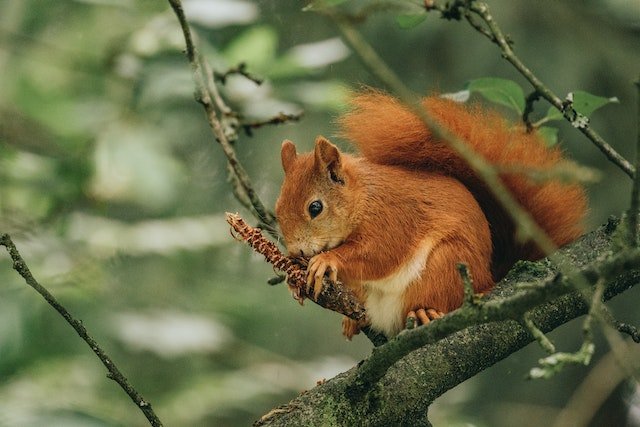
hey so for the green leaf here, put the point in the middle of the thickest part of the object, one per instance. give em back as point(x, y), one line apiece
point(256, 47)
point(333, 2)
point(410, 20)
point(584, 103)
point(322, 5)
point(501, 91)
point(549, 134)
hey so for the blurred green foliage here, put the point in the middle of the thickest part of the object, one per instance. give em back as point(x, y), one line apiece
point(114, 190)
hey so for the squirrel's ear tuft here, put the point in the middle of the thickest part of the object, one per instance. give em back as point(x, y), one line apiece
point(328, 158)
point(288, 154)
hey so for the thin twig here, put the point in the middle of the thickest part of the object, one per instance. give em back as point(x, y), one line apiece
point(281, 118)
point(635, 192)
point(527, 228)
point(565, 171)
point(528, 109)
point(113, 372)
point(551, 365)
point(208, 96)
point(240, 69)
point(630, 330)
point(539, 336)
point(594, 310)
point(360, 16)
point(495, 34)
point(478, 27)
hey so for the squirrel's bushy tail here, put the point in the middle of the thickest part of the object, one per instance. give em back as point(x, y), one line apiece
point(386, 132)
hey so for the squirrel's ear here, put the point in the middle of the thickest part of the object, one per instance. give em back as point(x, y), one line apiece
point(288, 154)
point(328, 158)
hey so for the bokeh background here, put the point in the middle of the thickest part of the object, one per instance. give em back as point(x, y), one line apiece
point(114, 190)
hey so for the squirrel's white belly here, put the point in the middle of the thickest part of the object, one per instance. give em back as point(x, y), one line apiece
point(385, 297)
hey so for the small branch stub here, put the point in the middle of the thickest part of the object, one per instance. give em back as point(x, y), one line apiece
point(279, 119)
point(470, 297)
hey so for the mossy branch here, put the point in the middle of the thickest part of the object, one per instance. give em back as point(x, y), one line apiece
point(512, 308)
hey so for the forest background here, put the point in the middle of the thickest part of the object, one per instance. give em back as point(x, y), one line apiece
point(114, 190)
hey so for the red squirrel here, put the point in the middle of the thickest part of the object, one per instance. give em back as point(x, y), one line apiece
point(393, 223)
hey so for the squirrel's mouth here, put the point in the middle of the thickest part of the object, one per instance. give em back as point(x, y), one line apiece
point(331, 244)
point(316, 248)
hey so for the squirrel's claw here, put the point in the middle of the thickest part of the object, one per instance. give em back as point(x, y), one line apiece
point(319, 265)
point(423, 316)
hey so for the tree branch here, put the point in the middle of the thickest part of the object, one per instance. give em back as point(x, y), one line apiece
point(630, 330)
point(635, 192)
point(334, 296)
point(276, 120)
point(493, 32)
point(507, 308)
point(525, 227)
point(528, 109)
point(404, 393)
point(113, 372)
point(240, 69)
point(207, 94)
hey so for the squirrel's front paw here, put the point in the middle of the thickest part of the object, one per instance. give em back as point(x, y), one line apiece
point(319, 265)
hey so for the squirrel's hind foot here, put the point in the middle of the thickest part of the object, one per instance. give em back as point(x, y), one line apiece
point(422, 316)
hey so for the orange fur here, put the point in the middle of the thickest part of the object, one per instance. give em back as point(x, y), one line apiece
point(395, 222)
point(386, 132)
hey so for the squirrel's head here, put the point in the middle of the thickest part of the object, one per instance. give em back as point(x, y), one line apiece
point(316, 205)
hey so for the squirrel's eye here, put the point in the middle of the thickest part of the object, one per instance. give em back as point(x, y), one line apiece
point(315, 208)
